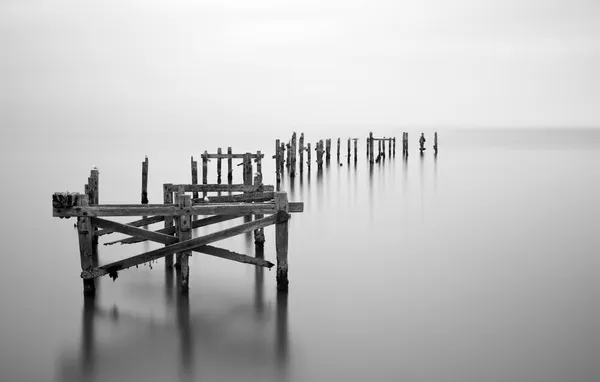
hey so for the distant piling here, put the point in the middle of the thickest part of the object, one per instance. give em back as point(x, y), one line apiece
point(145, 181)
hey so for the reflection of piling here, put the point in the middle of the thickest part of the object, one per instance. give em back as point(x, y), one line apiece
point(282, 330)
point(145, 181)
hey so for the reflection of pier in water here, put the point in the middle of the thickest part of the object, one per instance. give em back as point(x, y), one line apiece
point(189, 345)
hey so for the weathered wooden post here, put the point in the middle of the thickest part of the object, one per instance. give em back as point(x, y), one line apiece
point(308, 156)
point(281, 241)
point(355, 149)
point(86, 248)
point(320, 154)
point(219, 153)
point(328, 149)
point(394, 141)
point(338, 149)
point(92, 190)
point(301, 152)
point(259, 163)
point(247, 176)
point(195, 175)
point(229, 166)
point(288, 162)
point(184, 230)
point(293, 156)
point(282, 156)
point(259, 234)
point(349, 149)
point(371, 158)
point(145, 181)
point(435, 142)
point(277, 159)
point(390, 147)
point(379, 147)
point(367, 148)
point(204, 171)
point(383, 147)
point(168, 199)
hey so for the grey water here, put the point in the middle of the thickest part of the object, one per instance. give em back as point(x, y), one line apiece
point(478, 264)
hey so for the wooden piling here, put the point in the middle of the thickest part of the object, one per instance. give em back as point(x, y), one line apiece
point(371, 157)
point(92, 190)
point(293, 156)
point(367, 144)
point(320, 154)
point(259, 234)
point(184, 231)
point(338, 149)
point(327, 148)
point(281, 242)
point(168, 199)
point(219, 152)
point(195, 175)
point(85, 233)
point(390, 147)
point(282, 161)
point(301, 152)
point(394, 151)
point(277, 160)
point(259, 163)
point(435, 143)
point(349, 144)
point(308, 153)
point(205, 171)
point(383, 147)
point(355, 149)
point(145, 181)
point(247, 169)
point(229, 166)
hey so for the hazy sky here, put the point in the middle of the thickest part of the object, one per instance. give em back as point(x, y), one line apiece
point(129, 64)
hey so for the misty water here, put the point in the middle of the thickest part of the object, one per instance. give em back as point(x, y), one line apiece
point(478, 264)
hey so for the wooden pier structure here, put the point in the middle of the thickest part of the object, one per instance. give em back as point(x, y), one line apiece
point(178, 213)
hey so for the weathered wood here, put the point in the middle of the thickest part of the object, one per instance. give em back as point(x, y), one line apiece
point(65, 199)
point(221, 188)
point(355, 149)
point(259, 163)
point(204, 171)
point(94, 186)
point(281, 242)
point(136, 223)
point(259, 234)
point(145, 181)
point(308, 152)
point(277, 157)
point(171, 230)
point(282, 162)
point(328, 149)
point(229, 166)
point(247, 177)
point(116, 266)
point(218, 166)
point(390, 147)
point(169, 223)
point(248, 197)
point(195, 175)
point(338, 149)
point(85, 233)
point(394, 142)
point(383, 147)
point(301, 152)
point(435, 143)
point(367, 144)
point(184, 231)
point(293, 156)
point(320, 154)
point(348, 148)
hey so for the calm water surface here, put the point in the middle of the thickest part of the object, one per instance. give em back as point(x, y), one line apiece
point(480, 264)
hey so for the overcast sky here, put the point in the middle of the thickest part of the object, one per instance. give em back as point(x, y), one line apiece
point(216, 63)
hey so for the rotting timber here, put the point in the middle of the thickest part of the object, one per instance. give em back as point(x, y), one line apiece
point(177, 212)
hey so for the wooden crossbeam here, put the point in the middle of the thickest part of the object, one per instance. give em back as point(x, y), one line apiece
point(234, 156)
point(137, 223)
point(249, 197)
point(166, 239)
point(171, 230)
point(113, 268)
point(171, 210)
point(218, 188)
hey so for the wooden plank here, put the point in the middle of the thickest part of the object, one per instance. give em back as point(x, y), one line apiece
point(116, 266)
point(136, 223)
point(227, 156)
point(220, 188)
point(145, 181)
point(85, 234)
point(249, 197)
point(281, 242)
point(171, 229)
point(170, 210)
point(168, 240)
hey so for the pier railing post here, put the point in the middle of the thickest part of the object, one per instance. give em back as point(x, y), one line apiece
point(229, 166)
point(145, 181)
point(219, 152)
point(86, 250)
point(168, 199)
point(204, 171)
point(281, 242)
point(195, 175)
point(184, 230)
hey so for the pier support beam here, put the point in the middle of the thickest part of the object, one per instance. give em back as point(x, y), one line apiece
point(168, 199)
point(184, 230)
point(281, 242)
point(85, 232)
